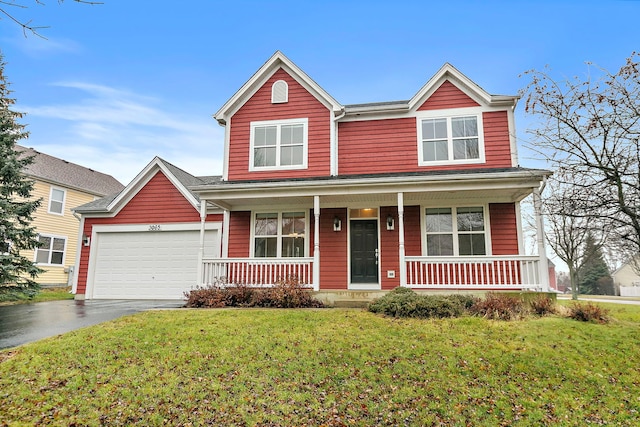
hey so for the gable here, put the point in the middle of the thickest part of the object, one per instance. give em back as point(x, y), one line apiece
point(158, 201)
point(447, 96)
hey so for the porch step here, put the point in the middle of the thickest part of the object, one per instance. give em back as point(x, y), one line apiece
point(348, 299)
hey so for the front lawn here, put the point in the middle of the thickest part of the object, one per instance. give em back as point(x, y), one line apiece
point(328, 367)
point(44, 294)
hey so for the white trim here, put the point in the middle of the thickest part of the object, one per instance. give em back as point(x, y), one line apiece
point(227, 140)
point(520, 231)
point(142, 179)
point(64, 199)
point(50, 250)
point(277, 61)
point(449, 115)
point(279, 235)
point(512, 137)
point(454, 228)
point(226, 218)
point(79, 246)
point(279, 123)
point(279, 95)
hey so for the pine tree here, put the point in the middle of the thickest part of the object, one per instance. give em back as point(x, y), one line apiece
point(17, 272)
point(594, 276)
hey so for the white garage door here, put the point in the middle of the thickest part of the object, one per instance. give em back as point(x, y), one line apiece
point(148, 265)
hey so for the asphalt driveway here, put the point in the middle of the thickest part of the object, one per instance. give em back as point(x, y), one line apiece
point(25, 323)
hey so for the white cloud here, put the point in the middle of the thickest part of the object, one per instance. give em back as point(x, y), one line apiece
point(118, 132)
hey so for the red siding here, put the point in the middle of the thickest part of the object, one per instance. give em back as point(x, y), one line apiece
point(412, 235)
point(333, 250)
point(391, 145)
point(157, 202)
point(387, 145)
point(497, 144)
point(448, 96)
point(504, 229)
point(301, 105)
point(239, 234)
point(389, 253)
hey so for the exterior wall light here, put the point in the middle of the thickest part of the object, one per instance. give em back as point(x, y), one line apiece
point(391, 223)
point(337, 224)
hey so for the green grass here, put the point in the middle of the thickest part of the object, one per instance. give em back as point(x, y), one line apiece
point(327, 367)
point(44, 294)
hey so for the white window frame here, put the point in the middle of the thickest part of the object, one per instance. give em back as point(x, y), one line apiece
point(448, 115)
point(279, 234)
point(64, 199)
point(279, 124)
point(64, 252)
point(455, 232)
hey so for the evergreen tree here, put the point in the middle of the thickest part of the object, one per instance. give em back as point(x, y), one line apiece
point(594, 276)
point(16, 206)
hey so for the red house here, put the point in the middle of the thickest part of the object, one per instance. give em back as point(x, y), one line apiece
point(423, 193)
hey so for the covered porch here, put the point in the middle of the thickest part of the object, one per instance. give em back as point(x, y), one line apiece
point(376, 233)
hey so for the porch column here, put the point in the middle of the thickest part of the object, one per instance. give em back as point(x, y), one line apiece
point(542, 251)
point(403, 264)
point(316, 243)
point(203, 217)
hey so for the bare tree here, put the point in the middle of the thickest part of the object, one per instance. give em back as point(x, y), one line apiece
point(589, 132)
point(10, 9)
point(566, 229)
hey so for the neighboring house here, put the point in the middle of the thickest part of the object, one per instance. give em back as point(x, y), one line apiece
point(627, 279)
point(61, 185)
point(423, 193)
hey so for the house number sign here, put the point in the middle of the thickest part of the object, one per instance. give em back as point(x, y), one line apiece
point(154, 227)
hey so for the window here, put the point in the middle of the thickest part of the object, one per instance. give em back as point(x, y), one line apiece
point(455, 231)
point(279, 92)
point(279, 234)
point(450, 140)
point(56, 201)
point(279, 145)
point(51, 250)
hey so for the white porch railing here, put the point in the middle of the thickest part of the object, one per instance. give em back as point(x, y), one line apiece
point(256, 271)
point(480, 272)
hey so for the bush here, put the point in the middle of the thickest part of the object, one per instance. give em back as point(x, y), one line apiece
point(18, 293)
point(501, 306)
point(287, 293)
point(589, 312)
point(403, 302)
point(542, 305)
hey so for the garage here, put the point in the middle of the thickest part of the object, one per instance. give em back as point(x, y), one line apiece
point(147, 262)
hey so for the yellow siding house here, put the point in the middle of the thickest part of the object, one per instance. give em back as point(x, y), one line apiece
point(62, 186)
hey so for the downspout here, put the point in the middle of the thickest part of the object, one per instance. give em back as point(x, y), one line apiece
point(334, 143)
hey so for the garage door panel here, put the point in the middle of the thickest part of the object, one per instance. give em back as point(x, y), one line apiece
point(148, 265)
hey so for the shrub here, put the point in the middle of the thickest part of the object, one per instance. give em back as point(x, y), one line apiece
point(542, 305)
point(501, 306)
point(589, 312)
point(287, 293)
point(403, 302)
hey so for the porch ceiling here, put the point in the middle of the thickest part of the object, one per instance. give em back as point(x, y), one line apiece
point(476, 188)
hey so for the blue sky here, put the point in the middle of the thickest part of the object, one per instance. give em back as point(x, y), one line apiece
point(116, 84)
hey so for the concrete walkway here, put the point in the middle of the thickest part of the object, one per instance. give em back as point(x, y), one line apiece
point(25, 323)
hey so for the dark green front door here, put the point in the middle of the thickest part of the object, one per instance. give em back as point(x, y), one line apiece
point(364, 251)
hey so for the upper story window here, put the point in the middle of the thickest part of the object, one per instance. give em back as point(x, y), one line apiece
point(279, 234)
point(455, 231)
point(56, 201)
point(450, 140)
point(279, 144)
point(280, 92)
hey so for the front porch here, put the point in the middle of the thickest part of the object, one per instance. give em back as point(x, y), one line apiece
point(452, 231)
point(430, 273)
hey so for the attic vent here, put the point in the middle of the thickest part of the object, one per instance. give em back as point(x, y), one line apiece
point(279, 92)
